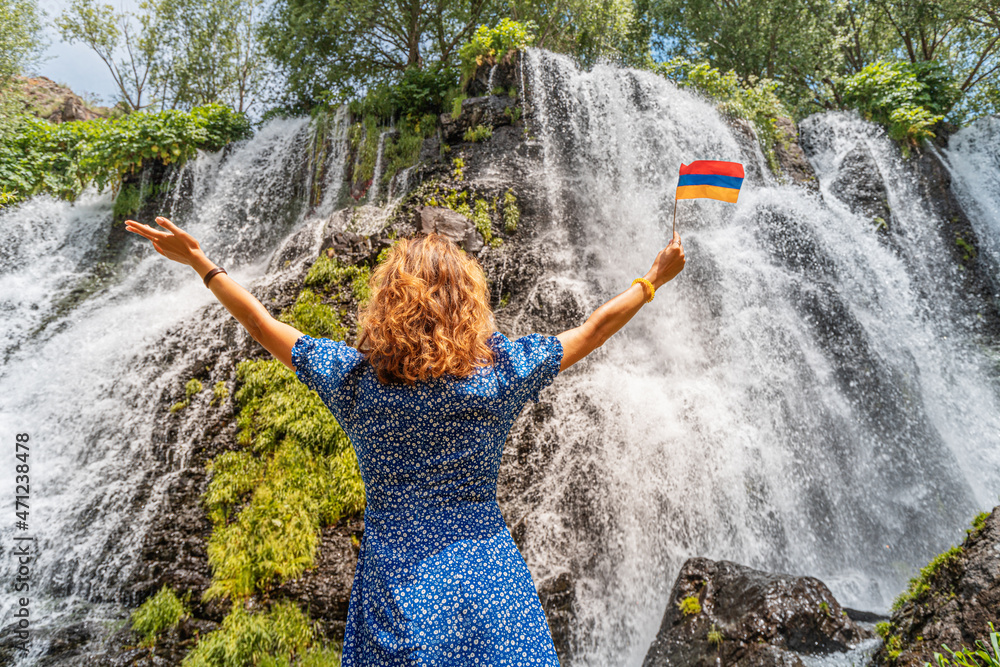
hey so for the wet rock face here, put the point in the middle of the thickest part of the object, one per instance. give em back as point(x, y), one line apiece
point(450, 224)
point(859, 185)
point(961, 598)
point(492, 111)
point(790, 155)
point(720, 612)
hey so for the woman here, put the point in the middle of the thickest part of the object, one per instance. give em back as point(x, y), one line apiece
point(427, 404)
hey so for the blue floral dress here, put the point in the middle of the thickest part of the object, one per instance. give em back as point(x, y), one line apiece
point(439, 581)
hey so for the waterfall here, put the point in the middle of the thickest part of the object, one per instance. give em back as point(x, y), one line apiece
point(974, 159)
point(93, 357)
point(804, 398)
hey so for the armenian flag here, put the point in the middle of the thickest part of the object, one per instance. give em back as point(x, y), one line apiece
point(710, 179)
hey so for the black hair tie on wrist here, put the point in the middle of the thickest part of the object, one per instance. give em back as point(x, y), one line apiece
point(208, 276)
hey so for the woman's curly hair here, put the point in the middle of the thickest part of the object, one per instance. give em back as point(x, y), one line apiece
point(429, 313)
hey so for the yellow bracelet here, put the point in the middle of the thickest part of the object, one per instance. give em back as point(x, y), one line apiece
point(652, 290)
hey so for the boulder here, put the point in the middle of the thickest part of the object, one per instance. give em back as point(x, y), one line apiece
point(720, 612)
point(451, 225)
point(958, 595)
point(860, 186)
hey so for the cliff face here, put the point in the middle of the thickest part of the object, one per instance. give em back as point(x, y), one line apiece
point(951, 601)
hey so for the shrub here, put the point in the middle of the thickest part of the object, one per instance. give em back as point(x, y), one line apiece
point(158, 613)
point(488, 44)
point(63, 159)
point(908, 98)
point(754, 101)
point(417, 92)
point(511, 213)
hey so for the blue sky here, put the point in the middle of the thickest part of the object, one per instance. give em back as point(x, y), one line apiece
point(75, 65)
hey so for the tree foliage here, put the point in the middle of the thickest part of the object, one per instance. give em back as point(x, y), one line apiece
point(177, 54)
point(20, 38)
point(123, 41)
point(589, 29)
point(793, 42)
point(339, 48)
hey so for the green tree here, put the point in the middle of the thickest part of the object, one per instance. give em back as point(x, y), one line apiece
point(210, 52)
point(588, 29)
point(122, 39)
point(20, 38)
point(963, 35)
point(339, 48)
point(793, 42)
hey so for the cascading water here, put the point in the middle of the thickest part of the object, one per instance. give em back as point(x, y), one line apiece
point(974, 158)
point(82, 370)
point(804, 398)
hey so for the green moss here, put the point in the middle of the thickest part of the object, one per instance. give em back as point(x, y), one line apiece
point(327, 273)
point(968, 250)
point(456, 106)
point(283, 633)
point(178, 406)
point(192, 387)
point(921, 584)
point(825, 608)
point(158, 613)
point(714, 636)
point(274, 537)
point(511, 213)
point(978, 524)
point(893, 647)
point(304, 475)
point(219, 393)
point(313, 317)
point(883, 630)
point(690, 606)
point(275, 405)
point(457, 171)
point(478, 133)
point(233, 476)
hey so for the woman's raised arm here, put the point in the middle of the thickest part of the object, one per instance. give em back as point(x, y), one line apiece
point(277, 337)
point(605, 321)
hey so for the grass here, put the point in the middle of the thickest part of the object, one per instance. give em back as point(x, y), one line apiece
point(921, 584)
point(983, 654)
point(275, 637)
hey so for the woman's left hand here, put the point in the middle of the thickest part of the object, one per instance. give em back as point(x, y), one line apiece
point(173, 244)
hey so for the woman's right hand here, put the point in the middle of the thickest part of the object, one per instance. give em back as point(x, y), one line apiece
point(668, 263)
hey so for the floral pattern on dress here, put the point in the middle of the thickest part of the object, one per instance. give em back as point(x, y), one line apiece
point(439, 580)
